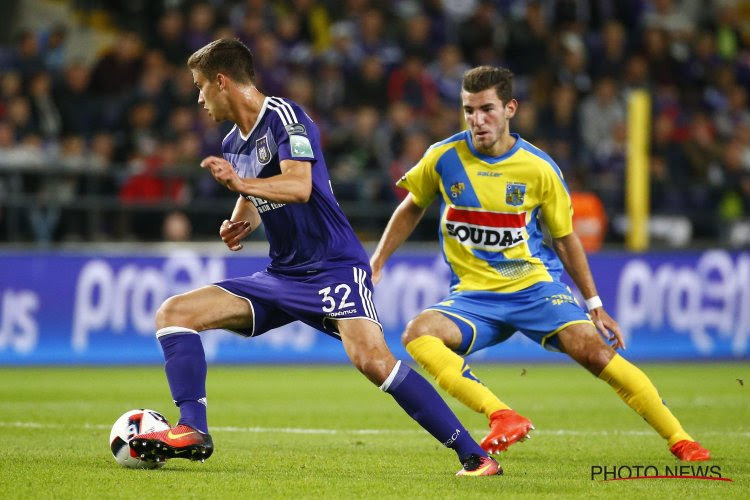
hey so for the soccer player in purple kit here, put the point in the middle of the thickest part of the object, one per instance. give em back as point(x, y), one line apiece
point(319, 273)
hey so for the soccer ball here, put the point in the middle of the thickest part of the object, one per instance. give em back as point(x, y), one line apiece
point(129, 425)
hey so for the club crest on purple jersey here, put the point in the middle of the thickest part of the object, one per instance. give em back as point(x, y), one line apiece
point(262, 150)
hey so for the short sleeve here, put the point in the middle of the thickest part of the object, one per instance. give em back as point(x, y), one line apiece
point(557, 208)
point(296, 135)
point(422, 180)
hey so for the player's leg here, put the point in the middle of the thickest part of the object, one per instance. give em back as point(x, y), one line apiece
point(364, 344)
point(178, 321)
point(583, 343)
point(432, 339)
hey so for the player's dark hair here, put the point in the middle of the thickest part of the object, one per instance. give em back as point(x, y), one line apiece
point(228, 56)
point(485, 77)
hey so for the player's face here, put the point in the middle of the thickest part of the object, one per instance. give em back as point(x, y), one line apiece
point(487, 118)
point(211, 95)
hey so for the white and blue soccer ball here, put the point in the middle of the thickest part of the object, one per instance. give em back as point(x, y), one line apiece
point(129, 425)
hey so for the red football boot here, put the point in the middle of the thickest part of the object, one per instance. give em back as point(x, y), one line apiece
point(690, 451)
point(475, 465)
point(506, 428)
point(181, 441)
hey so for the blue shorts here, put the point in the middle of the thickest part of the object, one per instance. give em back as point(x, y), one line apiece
point(488, 318)
point(315, 299)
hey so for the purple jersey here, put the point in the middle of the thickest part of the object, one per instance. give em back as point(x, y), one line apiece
point(303, 237)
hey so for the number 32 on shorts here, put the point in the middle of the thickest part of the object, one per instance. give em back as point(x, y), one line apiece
point(341, 292)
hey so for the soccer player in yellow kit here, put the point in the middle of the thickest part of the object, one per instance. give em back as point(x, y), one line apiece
point(495, 190)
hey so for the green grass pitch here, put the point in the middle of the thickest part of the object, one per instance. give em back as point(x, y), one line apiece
point(325, 432)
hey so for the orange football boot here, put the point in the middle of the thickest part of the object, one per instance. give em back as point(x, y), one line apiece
point(475, 465)
point(506, 427)
point(690, 451)
point(181, 441)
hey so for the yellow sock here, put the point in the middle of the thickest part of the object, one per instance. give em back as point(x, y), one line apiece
point(453, 374)
point(635, 388)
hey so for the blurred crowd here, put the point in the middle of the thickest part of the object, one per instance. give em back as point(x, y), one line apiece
point(382, 80)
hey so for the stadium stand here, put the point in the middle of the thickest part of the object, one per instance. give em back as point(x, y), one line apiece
point(100, 135)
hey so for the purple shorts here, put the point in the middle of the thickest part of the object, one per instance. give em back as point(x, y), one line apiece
point(314, 299)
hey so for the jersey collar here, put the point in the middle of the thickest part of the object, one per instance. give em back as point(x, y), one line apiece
point(257, 121)
point(493, 159)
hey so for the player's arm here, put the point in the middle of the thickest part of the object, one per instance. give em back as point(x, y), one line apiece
point(403, 221)
point(245, 219)
point(570, 251)
point(292, 185)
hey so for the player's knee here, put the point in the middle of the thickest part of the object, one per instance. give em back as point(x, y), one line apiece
point(414, 329)
point(586, 347)
point(373, 360)
point(375, 369)
point(173, 312)
point(594, 360)
point(601, 359)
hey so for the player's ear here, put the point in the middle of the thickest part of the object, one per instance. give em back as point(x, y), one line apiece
point(221, 81)
point(510, 108)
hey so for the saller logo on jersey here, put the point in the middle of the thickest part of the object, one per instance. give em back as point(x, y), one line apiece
point(485, 230)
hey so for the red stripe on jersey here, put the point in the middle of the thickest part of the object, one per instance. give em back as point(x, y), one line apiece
point(487, 219)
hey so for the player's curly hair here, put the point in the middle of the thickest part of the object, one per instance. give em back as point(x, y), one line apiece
point(228, 56)
point(485, 77)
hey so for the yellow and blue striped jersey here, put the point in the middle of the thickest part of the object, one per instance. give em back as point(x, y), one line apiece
point(490, 209)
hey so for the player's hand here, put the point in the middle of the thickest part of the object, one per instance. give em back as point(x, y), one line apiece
point(232, 233)
point(223, 172)
point(608, 328)
point(377, 270)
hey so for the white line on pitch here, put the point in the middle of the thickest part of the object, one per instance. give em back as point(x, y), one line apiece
point(301, 430)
